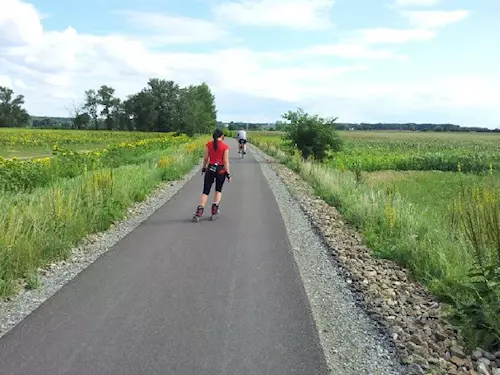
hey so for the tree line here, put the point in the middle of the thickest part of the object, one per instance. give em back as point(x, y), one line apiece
point(426, 127)
point(161, 106)
point(164, 106)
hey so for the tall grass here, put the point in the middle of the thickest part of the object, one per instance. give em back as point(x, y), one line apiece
point(477, 217)
point(40, 227)
point(396, 229)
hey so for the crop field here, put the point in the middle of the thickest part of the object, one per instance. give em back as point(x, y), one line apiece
point(49, 204)
point(430, 201)
point(27, 143)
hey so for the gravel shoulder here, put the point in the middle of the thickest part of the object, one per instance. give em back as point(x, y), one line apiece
point(53, 278)
point(352, 343)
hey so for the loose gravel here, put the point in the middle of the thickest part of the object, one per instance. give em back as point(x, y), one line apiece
point(53, 278)
point(352, 342)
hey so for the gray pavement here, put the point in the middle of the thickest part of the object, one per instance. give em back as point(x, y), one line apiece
point(177, 297)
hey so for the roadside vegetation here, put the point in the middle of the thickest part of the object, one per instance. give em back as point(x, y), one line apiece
point(58, 186)
point(430, 201)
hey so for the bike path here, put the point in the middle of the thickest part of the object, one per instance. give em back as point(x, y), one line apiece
point(177, 297)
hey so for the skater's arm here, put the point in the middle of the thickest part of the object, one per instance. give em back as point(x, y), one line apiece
point(205, 158)
point(226, 161)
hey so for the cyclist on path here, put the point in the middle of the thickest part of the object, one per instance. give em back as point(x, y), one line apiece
point(242, 140)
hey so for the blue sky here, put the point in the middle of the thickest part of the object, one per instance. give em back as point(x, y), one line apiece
point(360, 60)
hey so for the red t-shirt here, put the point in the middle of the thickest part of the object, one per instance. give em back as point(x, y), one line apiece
point(216, 156)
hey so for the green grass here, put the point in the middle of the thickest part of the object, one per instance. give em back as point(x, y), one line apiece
point(389, 150)
point(431, 191)
point(26, 152)
point(41, 226)
point(406, 216)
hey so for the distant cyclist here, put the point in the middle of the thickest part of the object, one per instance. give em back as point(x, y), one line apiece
point(242, 140)
point(216, 168)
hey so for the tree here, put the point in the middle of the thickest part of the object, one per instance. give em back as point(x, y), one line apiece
point(12, 114)
point(198, 110)
point(106, 99)
point(312, 135)
point(92, 106)
point(279, 125)
point(143, 111)
point(80, 119)
point(166, 96)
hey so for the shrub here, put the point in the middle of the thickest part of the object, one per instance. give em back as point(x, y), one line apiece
point(228, 133)
point(312, 135)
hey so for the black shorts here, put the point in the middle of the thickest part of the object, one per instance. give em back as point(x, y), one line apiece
point(210, 176)
point(242, 141)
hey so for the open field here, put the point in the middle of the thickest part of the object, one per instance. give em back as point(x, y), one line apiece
point(391, 150)
point(403, 194)
point(27, 143)
point(48, 205)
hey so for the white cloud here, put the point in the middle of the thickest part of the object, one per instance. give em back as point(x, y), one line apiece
point(5, 81)
point(435, 18)
point(170, 29)
point(352, 51)
point(384, 35)
point(404, 3)
point(294, 14)
point(20, 24)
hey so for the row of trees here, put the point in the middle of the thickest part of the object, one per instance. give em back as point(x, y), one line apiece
point(165, 106)
point(161, 106)
point(426, 127)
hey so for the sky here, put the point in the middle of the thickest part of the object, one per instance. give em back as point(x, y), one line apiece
point(359, 60)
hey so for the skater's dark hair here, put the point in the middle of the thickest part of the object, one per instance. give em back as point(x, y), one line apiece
point(217, 133)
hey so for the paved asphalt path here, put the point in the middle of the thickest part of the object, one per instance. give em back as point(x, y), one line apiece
point(177, 297)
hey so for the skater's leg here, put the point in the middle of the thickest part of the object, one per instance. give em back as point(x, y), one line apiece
point(219, 182)
point(207, 186)
point(217, 197)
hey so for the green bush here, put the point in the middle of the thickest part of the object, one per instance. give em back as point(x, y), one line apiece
point(312, 135)
point(228, 133)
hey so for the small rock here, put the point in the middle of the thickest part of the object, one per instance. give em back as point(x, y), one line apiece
point(416, 339)
point(458, 361)
point(415, 369)
point(490, 356)
point(456, 351)
point(485, 361)
point(496, 371)
point(497, 354)
point(476, 354)
point(440, 335)
point(482, 369)
point(433, 361)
